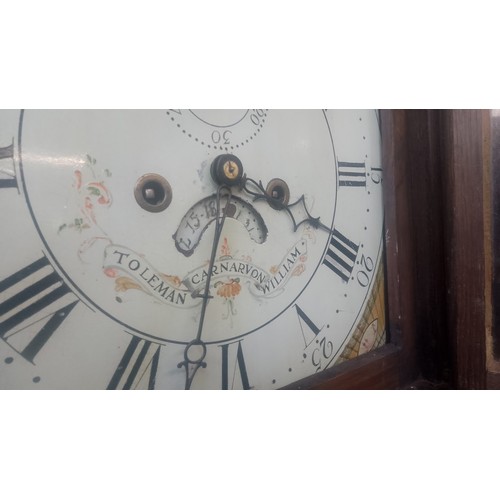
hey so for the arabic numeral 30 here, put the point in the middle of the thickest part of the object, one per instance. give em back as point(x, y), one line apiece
point(363, 275)
point(221, 137)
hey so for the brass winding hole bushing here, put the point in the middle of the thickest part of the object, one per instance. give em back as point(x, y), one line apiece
point(278, 191)
point(153, 193)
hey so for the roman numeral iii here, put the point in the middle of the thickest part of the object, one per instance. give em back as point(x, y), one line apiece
point(351, 174)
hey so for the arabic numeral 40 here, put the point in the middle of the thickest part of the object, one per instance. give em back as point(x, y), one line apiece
point(363, 274)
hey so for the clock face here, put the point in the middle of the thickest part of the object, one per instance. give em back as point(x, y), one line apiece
point(113, 218)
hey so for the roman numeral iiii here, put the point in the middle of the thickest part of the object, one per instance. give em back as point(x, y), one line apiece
point(341, 255)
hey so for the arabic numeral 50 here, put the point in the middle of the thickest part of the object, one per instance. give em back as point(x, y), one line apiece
point(363, 274)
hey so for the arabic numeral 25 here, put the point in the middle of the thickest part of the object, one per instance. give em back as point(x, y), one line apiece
point(321, 353)
point(363, 275)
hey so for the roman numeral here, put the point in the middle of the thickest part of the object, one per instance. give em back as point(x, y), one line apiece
point(7, 177)
point(29, 297)
point(352, 174)
point(138, 367)
point(308, 328)
point(341, 255)
point(233, 363)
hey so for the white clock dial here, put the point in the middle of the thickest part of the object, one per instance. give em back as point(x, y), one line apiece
point(123, 205)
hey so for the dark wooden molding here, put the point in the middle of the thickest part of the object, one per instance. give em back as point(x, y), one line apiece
point(420, 231)
point(399, 241)
point(494, 150)
point(493, 380)
point(375, 370)
point(462, 146)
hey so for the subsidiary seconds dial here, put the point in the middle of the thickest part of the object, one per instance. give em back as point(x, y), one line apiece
point(230, 131)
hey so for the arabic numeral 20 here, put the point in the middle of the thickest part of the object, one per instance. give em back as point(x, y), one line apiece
point(363, 275)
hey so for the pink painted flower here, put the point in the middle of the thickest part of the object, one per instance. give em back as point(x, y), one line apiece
point(110, 272)
point(229, 290)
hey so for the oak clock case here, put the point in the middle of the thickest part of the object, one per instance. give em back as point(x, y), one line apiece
point(112, 220)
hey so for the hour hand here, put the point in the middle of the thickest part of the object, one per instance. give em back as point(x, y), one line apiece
point(228, 170)
point(299, 214)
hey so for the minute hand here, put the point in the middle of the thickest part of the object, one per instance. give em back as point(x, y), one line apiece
point(193, 362)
